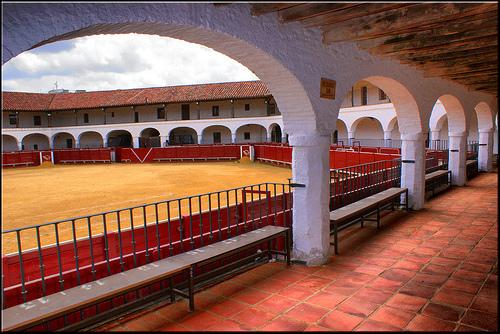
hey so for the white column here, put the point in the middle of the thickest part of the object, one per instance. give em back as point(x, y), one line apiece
point(413, 168)
point(136, 142)
point(77, 143)
point(283, 138)
point(387, 137)
point(20, 145)
point(485, 153)
point(233, 137)
point(457, 156)
point(350, 137)
point(435, 134)
point(269, 138)
point(200, 139)
point(163, 140)
point(311, 212)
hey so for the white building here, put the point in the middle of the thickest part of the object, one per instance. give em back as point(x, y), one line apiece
point(239, 112)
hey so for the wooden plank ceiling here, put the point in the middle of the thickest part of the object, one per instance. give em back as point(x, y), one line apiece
point(454, 41)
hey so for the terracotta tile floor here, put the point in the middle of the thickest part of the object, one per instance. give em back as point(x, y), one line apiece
point(431, 270)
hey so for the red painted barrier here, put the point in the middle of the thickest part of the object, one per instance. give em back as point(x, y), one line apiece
point(197, 152)
point(82, 155)
point(21, 158)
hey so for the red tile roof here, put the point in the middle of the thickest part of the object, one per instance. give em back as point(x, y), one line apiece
point(15, 101)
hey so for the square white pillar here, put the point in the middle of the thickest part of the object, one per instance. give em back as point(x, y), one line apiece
point(311, 212)
point(485, 152)
point(457, 157)
point(136, 142)
point(413, 168)
point(233, 138)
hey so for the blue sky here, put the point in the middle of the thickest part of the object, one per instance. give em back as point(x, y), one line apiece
point(106, 62)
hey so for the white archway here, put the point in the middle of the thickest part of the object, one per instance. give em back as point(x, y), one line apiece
point(62, 140)
point(150, 137)
point(216, 134)
point(90, 139)
point(36, 142)
point(275, 133)
point(251, 133)
point(9, 143)
point(183, 136)
point(119, 138)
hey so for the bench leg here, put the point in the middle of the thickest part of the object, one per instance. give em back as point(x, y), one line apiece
point(406, 201)
point(335, 238)
point(269, 254)
point(362, 221)
point(172, 295)
point(287, 245)
point(191, 289)
point(378, 217)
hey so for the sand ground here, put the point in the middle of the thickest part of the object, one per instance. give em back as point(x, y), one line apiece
point(37, 195)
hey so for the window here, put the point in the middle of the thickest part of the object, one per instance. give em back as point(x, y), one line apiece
point(217, 138)
point(69, 143)
point(185, 111)
point(381, 95)
point(136, 117)
point(247, 107)
point(85, 118)
point(160, 113)
point(271, 109)
point(246, 135)
point(215, 110)
point(35, 147)
point(112, 114)
point(12, 119)
point(364, 96)
point(37, 120)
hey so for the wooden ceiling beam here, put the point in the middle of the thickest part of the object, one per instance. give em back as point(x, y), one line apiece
point(265, 8)
point(474, 74)
point(311, 10)
point(355, 10)
point(425, 56)
point(458, 70)
point(460, 45)
point(389, 22)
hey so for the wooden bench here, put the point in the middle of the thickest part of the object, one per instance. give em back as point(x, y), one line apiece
point(358, 212)
point(436, 179)
point(83, 161)
point(277, 162)
point(38, 311)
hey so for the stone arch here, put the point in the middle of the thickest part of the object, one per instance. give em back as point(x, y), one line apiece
point(257, 133)
point(367, 128)
point(9, 143)
point(455, 113)
point(90, 139)
point(183, 136)
point(119, 138)
point(231, 31)
point(216, 134)
point(36, 141)
point(342, 133)
point(275, 133)
point(62, 140)
point(150, 137)
point(484, 116)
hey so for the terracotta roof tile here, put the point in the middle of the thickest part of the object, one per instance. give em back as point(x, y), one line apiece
point(139, 96)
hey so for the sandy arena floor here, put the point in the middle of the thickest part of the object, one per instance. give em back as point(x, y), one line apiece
point(37, 195)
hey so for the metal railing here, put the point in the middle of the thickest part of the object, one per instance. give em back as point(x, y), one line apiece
point(51, 257)
point(390, 143)
point(350, 184)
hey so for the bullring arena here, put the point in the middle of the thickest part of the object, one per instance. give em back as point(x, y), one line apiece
point(37, 195)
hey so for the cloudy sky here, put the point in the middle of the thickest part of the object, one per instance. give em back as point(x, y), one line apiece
point(107, 62)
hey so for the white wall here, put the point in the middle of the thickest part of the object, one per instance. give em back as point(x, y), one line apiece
point(369, 129)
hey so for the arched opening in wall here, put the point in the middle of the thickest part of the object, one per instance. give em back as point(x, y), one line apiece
point(63, 140)
point(119, 138)
point(340, 136)
point(448, 116)
point(183, 136)
point(276, 134)
point(216, 134)
point(90, 139)
point(251, 133)
point(9, 143)
point(150, 137)
point(36, 142)
point(368, 131)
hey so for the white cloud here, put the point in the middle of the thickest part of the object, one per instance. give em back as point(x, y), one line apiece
point(106, 62)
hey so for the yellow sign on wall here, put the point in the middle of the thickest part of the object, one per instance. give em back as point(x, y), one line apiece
point(327, 90)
